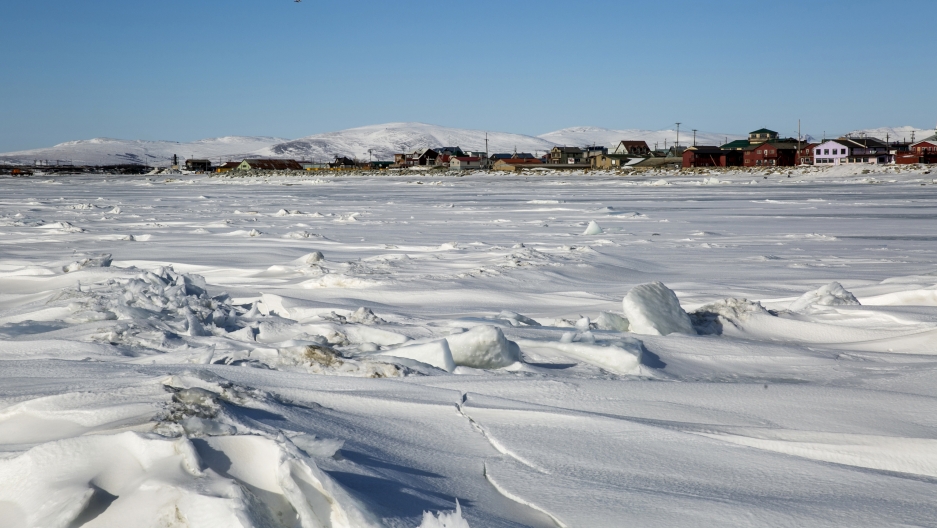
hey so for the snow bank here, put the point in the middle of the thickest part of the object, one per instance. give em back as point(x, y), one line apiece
point(833, 294)
point(712, 318)
point(653, 309)
point(483, 347)
point(623, 358)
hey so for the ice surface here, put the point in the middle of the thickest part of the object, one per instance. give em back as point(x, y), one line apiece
point(384, 350)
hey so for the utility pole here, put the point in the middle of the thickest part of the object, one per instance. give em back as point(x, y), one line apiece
point(487, 156)
point(694, 137)
point(798, 142)
point(677, 144)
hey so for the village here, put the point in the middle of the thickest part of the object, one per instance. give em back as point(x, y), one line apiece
point(763, 148)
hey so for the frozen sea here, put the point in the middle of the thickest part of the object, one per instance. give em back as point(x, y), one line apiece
point(549, 350)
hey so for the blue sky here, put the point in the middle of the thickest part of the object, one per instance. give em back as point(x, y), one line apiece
point(184, 70)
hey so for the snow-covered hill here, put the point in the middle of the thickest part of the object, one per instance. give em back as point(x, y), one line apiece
point(894, 133)
point(579, 136)
point(106, 151)
point(385, 140)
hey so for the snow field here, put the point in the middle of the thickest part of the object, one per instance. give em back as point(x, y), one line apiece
point(283, 352)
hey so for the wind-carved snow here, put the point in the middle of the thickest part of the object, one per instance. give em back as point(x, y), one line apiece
point(381, 351)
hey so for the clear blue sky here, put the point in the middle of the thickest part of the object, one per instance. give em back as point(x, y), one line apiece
point(184, 70)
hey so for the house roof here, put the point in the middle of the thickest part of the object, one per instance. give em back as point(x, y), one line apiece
point(569, 150)
point(231, 165)
point(520, 161)
point(932, 140)
point(630, 143)
point(763, 131)
point(704, 149)
point(738, 144)
point(467, 158)
point(273, 164)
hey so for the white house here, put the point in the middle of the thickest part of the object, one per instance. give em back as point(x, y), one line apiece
point(465, 162)
point(852, 150)
point(831, 152)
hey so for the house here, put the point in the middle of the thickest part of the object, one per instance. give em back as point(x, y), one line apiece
point(443, 160)
point(805, 156)
point(450, 151)
point(738, 144)
point(419, 157)
point(566, 155)
point(770, 153)
point(465, 162)
point(313, 165)
point(852, 150)
point(762, 135)
point(341, 162)
point(198, 165)
point(269, 164)
point(632, 148)
point(705, 156)
point(228, 166)
point(593, 151)
point(515, 164)
point(925, 146)
point(609, 161)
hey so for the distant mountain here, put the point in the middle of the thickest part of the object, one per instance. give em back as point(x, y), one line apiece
point(385, 140)
point(894, 133)
point(580, 136)
point(106, 151)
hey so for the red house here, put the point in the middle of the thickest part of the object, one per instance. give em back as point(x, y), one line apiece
point(806, 153)
point(770, 154)
point(706, 156)
point(924, 151)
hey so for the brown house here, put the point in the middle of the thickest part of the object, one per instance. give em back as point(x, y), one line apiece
point(565, 155)
point(806, 153)
point(515, 164)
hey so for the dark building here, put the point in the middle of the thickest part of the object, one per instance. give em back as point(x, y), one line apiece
point(198, 165)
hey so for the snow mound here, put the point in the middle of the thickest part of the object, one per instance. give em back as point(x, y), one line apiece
point(653, 309)
point(101, 261)
point(711, 318)
point(593, 229)
point(445, 520)
point(134, 479)
point(832, 294)
point(483, 347)
point(435, 353)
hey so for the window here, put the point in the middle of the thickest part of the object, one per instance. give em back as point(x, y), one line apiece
point(818, 152)
point(843, 152)
point(826, 152)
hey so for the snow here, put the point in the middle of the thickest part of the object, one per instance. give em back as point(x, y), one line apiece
point(462, 346)
point(832, 294)
point(653, 309)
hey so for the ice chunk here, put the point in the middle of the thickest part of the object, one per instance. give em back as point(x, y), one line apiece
point(653, 309)
point(833, 294)
point(483, 347)
point(593, 229)
point(101, 261)
point(516, 319)
point(610, 321)
point(445, 520)
point(435, 353)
